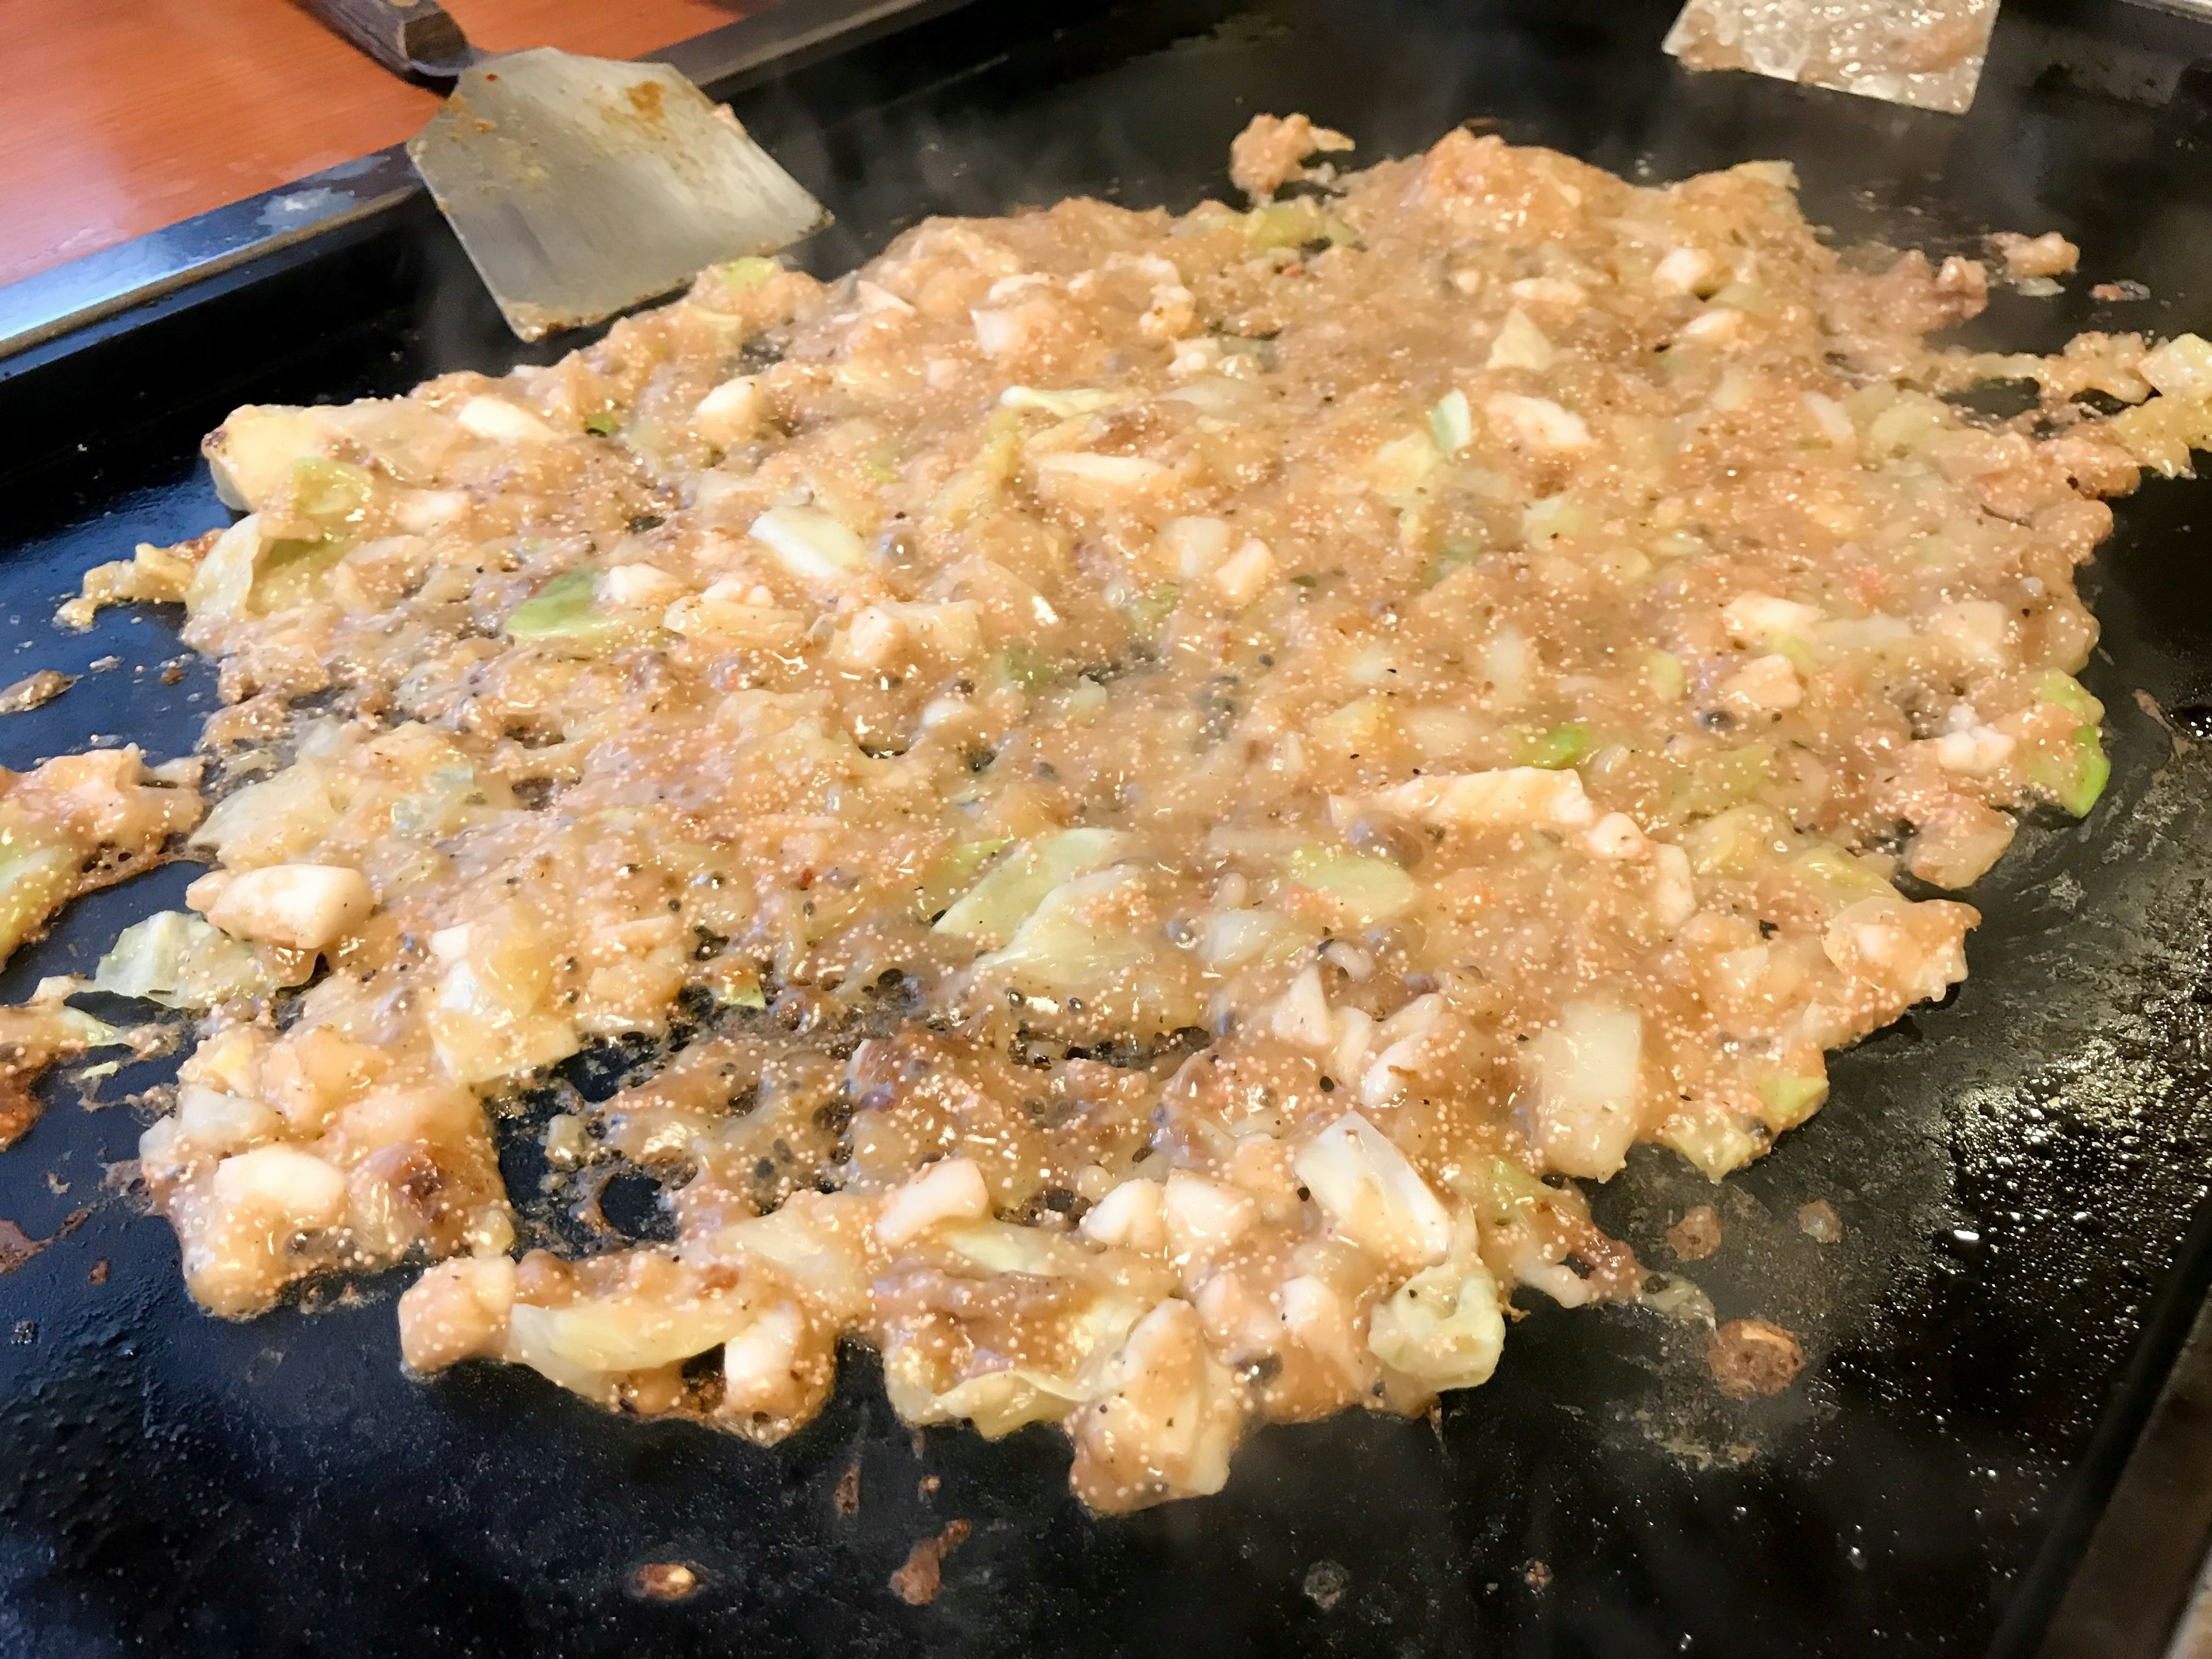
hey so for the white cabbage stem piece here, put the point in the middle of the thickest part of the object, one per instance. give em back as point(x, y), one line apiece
point(1372, 1194)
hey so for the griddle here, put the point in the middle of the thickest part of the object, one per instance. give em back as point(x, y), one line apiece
point(2022, 1172)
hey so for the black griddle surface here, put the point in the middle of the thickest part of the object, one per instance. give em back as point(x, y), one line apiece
point(2021, 1171)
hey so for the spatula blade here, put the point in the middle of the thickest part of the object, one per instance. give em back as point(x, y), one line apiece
point(1927, 53)
point(582, 186)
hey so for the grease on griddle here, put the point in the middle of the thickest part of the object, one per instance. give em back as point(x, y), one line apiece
point(917, 1582)
point(1751, 1357)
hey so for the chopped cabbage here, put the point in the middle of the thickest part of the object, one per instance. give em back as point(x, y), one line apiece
point(182, 961)
point(1443, 1327)
point(990, 911)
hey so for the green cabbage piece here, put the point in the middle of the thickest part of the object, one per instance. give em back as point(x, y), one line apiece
point(181, 961)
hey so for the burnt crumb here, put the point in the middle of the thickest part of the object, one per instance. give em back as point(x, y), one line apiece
point(846, 1498)
point(1820, 1222)
point(1715, 719)
point(664, 1581)
point(645, 521)
point(1752, 1356)
point(758, 354)
point(1696, 1235)
point(1326, 1582)
point(2102, 404)
point(1894, 840)
point(917, 1582)
point(1123, 1053)
point(533, 793)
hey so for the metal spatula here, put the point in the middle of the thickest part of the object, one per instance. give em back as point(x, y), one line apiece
point(580, 186)
point(1928, 53)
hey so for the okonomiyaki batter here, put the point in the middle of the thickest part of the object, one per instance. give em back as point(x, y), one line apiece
point(1148, 792)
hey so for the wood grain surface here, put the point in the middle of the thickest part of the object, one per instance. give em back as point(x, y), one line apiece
point(117, 116)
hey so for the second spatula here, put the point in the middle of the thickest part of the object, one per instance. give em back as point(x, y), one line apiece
point(580, 186)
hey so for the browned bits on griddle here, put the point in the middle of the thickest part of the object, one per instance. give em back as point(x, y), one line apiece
point(1537, 1575)
point(848, 1498)
point(664, 1581)
point(1696, 1235)
point(99, 1273)
point(16, 1247)
point(1751, 1357)
point(1820, 1222)
point(917, 1582)
point(1326, 1582)
point(19, 1107)
point(928, 1487)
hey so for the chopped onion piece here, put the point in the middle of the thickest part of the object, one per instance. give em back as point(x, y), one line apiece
point(1520, 344)
point(950, 1190)
point(1537, 424)
point(503, 421)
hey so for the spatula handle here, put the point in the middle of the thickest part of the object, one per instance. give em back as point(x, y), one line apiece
point(417, 39)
